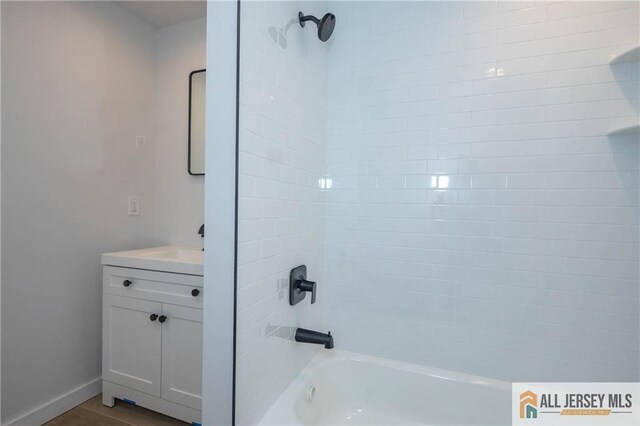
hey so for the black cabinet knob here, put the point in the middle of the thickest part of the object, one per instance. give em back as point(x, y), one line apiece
point(162, 318)
point(195, 292)
point(126, 283)
point(153, 317)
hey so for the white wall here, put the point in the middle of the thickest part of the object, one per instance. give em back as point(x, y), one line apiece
point(525, 267)
point(282, 146)
point(179, 200)
point(78, 87)
point(220, 209)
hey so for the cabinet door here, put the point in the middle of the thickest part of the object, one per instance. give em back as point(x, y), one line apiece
point(182, 355)
point(132, 343)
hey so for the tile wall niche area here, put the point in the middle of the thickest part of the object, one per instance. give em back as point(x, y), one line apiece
point(480, 218)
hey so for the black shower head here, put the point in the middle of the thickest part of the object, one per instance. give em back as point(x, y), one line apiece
point(325, 25)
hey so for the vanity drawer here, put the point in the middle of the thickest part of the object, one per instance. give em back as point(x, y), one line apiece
point(178, 289)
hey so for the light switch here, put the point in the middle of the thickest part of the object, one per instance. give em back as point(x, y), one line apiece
point(134, 206)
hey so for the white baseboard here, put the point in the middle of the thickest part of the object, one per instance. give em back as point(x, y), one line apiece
point(59, 405)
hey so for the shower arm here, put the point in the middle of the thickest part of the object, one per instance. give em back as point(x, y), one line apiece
point(306, 18)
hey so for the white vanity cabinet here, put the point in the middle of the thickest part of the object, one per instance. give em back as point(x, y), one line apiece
point(152, 340)
point(182, 356)
point(132, 344)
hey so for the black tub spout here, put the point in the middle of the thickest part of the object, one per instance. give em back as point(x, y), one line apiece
point(310, 336)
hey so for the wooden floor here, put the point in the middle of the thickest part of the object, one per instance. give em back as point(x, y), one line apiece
point(93, 413)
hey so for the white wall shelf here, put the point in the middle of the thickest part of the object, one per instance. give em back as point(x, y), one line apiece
point(631, 55)
point(627, 130)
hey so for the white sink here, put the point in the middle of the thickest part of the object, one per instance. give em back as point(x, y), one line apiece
point(176, 254)
point(182, 260)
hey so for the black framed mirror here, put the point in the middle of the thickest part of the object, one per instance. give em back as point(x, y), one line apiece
point(197, 85)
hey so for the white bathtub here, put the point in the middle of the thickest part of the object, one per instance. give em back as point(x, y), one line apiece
point(344, 388)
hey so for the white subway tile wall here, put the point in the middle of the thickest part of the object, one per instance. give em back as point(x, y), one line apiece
point(479, 217)
point(280, 213)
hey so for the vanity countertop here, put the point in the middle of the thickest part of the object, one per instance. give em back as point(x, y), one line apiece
point(176, 259)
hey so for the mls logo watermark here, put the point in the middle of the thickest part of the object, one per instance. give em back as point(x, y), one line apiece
point(528, 405)
point(575, 403)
